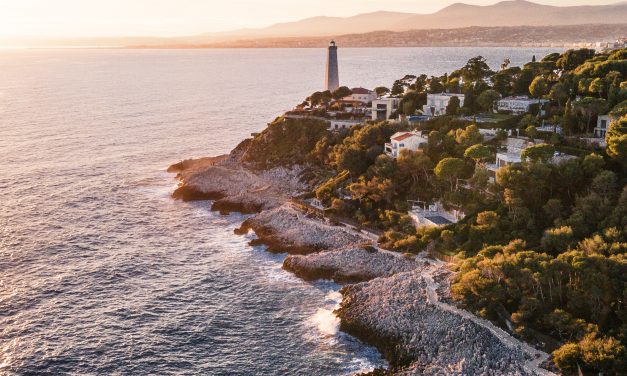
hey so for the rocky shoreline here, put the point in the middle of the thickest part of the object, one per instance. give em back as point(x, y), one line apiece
point(397, 302)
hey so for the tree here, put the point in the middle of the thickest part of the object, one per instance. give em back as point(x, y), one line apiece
point(476, 69)
point(540, 152)
point(505, 63)
point(341, 92)
point(435, 85)
point(316, 98)
point(468, 136)
point(450, 169)
point(571, 59)
point(480, 178)
point(452, 108)
point(604, 183)
point(590, 107)
point(556, 240)
point(598, 87)
point(539, 87)
point(559, 93)
point(551, 57)
point(523, 81)
point(616, 136)
point(414, 164)
point(567, 357)
point(503, 81)
point(353, 160)
point(479, 153)
point(381, 90)
point(409, 108)
point(531, 132)
point(487, 98)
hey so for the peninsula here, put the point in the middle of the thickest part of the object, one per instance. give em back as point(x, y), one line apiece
point(478, 220)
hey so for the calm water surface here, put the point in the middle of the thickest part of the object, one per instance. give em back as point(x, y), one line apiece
point(101, 272)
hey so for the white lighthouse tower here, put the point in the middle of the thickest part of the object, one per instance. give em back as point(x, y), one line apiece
point(332, 81)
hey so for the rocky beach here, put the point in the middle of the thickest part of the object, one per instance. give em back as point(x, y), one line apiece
point(394, 301)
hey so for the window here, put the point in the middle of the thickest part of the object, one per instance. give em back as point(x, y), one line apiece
point(603, 124)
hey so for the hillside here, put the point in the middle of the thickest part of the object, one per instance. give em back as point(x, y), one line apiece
point(516, 36)
point(515, 13)
point(505, 13)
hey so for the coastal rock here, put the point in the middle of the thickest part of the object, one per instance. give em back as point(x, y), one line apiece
point(189, 164)
point(286, 229)
point(352, 264)
point(234, 187)
point(419, 335)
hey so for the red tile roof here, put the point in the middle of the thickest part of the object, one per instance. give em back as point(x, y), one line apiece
point(360, 90)
point(403, 136)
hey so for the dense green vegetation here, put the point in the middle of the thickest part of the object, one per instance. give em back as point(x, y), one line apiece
point(542, 248)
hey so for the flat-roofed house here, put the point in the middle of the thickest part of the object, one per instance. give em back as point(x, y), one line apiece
point(383, 108)
point(518, 105)
point(512, 153)
point(603, 123)
point(433, 215)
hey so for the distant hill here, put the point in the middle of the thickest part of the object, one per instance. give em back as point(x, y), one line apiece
point(516, 13)
point(505, 13)
point(457, 16)
point(476, 36)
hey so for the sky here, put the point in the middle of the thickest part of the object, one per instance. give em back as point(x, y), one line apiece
point(89, 18)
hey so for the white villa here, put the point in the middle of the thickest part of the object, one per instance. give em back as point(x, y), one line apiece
point(512, 154)
point(603, 123)
point(359, 94)
point(436, 103)
point(336, 125)
point(433, 215)
point(518, 105)
point(404, 140)
point(383, 108)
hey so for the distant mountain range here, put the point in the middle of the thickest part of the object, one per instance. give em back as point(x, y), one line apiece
point(505, 13)
point(475, 36)
point(514, 13)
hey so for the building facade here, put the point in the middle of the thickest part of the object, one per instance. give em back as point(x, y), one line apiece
point(361, 95)
point(518, 105)
point(603, 123)
point(383, 108)
point(437, 103)
point(404, 141)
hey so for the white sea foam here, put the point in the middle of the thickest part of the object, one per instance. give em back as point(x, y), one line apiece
point(327, 323)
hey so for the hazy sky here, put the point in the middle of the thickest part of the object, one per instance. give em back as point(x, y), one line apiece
point(53, 18)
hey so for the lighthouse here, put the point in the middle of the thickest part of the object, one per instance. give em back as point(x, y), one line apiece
point(332, 81)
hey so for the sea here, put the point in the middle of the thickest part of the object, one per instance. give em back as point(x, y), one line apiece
point(101, 272)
